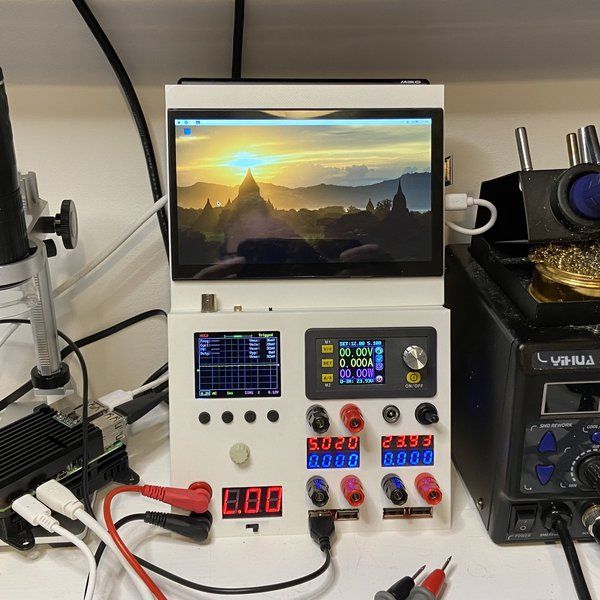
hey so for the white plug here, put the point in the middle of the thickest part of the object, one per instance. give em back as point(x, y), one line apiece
point(34, 512)
point(59, 499)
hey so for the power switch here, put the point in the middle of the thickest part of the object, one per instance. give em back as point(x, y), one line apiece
point(524, 519)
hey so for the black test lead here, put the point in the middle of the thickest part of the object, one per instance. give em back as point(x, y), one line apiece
point(401, 589)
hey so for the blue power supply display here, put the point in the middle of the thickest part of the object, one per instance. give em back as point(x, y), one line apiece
point(333, 452)
point(407, 450)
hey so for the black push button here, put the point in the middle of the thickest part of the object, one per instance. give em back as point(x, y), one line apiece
point(227, 417)
point(273, 416)
point(250, 416)
point(524, 520)
point(204, 418)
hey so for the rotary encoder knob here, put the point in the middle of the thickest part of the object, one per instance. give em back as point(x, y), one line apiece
point(239, 453)
point(589, 471)
point(415, 358)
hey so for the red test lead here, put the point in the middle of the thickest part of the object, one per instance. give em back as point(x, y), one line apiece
point(431, 586)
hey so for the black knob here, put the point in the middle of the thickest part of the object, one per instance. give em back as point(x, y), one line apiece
point(426, 414)
point(318, 419)
point(65, 224)
point(318, 491)
point(589, 472)
point(394, 489)
point(51, 250)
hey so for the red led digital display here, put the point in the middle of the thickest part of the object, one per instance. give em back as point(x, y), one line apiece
point(327, 444)
point(254, 502)
point(396, 442)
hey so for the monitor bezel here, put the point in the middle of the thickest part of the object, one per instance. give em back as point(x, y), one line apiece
point(428, 268)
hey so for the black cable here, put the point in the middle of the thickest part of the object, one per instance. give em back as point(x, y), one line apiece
point(84, 413)
point(261, 589)
point(141, 405)
point(238, 39)
point(561, 527)
point(134, 106)
point(160, 371)
point(90, 339)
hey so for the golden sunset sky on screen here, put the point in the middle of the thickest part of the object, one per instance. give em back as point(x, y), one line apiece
point(297, 156)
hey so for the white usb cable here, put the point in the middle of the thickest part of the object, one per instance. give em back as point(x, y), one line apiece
point(118, 397)
point(61, 500)
point(38, 515)
point(464, 201)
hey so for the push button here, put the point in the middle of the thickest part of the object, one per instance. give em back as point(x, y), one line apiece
point(326, 348)
point(547, 443)
point(326, 377)
point(544, 473)
point(596, 437)
point(524, 520)
point(327, 362)
point(413, 377)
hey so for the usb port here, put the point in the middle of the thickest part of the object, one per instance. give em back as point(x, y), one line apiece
point(395, 513)
point(420, 512)
point(407, 512)
point(346, 514)
point(338, 514)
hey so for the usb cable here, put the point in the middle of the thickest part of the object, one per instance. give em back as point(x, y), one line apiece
point(38, 515)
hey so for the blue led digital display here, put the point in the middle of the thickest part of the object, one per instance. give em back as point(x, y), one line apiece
point(407, 450)
point(333, 452)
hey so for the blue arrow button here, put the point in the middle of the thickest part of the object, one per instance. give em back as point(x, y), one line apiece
point(548, 443)
point(544, 473)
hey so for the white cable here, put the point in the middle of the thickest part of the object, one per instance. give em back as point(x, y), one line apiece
point(71, 537)
point(61, 500)
point(462, 202)
point(97, 260)
point(151, 385)
point(39, 515)
point(10, 329)
point(102, 256)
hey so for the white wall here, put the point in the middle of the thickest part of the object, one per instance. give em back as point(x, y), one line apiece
point(72, 127)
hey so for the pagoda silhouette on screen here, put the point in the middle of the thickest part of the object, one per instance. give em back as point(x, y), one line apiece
point(385, 221)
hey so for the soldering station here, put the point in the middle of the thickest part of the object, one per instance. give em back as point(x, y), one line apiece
point(330, 355)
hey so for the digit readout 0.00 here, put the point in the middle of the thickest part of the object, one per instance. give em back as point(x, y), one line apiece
point(255, 502)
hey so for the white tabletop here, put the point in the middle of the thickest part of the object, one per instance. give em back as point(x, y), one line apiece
point(363, 563)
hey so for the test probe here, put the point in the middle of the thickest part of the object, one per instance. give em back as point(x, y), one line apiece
point(401, 589)
point(432, 585)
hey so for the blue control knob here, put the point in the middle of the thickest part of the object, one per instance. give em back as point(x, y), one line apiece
point(584, 196)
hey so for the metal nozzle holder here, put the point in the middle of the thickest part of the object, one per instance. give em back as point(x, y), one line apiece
point(523, 149)
point(589, 145)
point(573, 150)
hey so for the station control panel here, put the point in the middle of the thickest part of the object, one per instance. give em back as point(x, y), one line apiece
point(304, 415)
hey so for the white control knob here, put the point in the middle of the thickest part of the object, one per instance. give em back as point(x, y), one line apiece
point(415, 358)
point(239, 453)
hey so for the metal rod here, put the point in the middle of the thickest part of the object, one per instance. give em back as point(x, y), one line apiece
point(523, 148)
point(588, 144)
point(573, 149)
